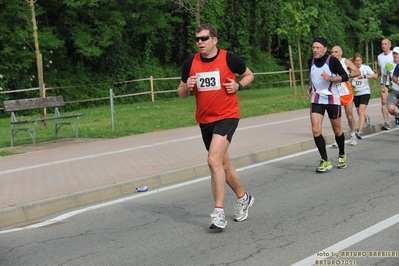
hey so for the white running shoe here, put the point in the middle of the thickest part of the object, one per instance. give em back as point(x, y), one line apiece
point(368, 121)
point(334, 145)
point(359, 135)
point(218, 220)
point(242, 208)
point(353, 139)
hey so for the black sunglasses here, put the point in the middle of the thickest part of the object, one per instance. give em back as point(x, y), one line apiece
point(202, 38)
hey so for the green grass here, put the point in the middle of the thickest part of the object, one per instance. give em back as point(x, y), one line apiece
point(163, 114)
point(7, 153)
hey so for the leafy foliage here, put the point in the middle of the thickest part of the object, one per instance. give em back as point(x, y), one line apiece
point(90, 46)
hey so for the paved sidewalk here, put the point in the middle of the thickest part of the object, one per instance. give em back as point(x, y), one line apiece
point(55, 179)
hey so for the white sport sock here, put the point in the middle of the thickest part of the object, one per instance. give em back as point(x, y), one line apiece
point(244, 198)
point(220, 210)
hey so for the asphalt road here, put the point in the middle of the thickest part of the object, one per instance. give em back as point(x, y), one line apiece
point(299, 217)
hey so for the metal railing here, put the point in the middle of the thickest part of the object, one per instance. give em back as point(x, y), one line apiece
point(289, 78)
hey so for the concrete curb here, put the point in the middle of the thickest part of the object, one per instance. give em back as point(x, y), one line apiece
point(31, 212)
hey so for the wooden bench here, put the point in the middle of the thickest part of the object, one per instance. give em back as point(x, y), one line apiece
point(39, 103)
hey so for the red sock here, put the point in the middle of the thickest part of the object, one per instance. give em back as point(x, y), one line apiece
point(243, 197)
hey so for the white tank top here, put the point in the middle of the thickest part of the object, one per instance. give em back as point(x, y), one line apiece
point(344, 87)
point(318, 83)
point(343, 63)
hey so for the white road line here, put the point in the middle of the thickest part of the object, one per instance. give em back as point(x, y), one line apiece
point(273, 123)
point(356, 238)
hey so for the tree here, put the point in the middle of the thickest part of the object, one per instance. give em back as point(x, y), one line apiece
point(369, 19)
point(86, 44)
point(194, 7)
point(17, 51)
point(296, 24)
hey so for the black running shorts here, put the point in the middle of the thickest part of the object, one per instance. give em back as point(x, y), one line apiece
point(361, 99)
point(222, 127)
point(334, 111)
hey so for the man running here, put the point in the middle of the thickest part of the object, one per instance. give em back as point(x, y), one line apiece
point(325, 72)
point(211, 75)
point(382, 59)
point(345, 90)
point(390, 76)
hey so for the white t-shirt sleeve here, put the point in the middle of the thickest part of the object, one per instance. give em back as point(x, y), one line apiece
point(368, 70)
point(379, 62)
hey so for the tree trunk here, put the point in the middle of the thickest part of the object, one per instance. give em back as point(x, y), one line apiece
point(293, 70)
point(300, 65)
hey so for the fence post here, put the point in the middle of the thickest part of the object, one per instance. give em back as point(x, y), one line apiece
point(152, 88)
point(111, 100)
point(289, 76)
point(300, 65)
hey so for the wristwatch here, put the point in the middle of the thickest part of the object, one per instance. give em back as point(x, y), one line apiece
point(239, 86)
point(331, 78)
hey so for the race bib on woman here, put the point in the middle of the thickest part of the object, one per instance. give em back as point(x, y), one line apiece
point(357, 83)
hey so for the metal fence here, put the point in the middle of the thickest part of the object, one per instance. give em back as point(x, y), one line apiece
point(288, 79)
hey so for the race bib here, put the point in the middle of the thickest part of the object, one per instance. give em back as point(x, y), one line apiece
point(342, 88)
point(208, 81)
point(357, 83)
